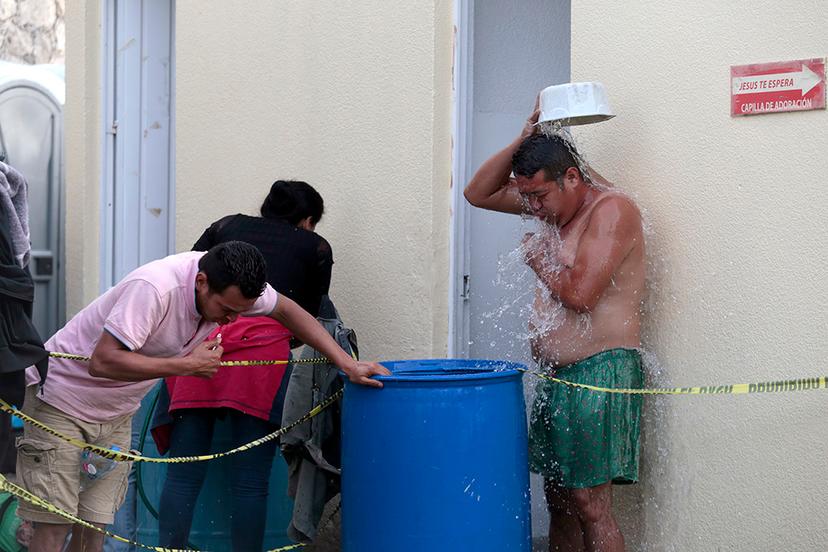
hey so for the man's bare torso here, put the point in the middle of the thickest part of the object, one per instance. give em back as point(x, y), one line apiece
point(560, 335)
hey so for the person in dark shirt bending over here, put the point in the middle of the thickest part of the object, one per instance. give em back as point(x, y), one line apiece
point(299, 265)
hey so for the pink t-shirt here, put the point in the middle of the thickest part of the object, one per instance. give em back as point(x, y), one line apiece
point(152, 311)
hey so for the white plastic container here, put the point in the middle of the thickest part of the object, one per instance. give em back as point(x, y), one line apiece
point(574, 103)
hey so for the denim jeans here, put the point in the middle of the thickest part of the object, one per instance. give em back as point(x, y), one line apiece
point(192, 434)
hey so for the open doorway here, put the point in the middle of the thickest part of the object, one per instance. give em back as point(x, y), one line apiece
point(518, 49)
point(506, 53)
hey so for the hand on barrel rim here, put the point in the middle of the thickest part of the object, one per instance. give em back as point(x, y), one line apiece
point(361, 371)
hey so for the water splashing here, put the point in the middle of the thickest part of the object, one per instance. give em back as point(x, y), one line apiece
point(647, 526)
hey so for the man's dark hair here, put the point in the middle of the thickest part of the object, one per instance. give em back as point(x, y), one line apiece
point(235, 263)
point(293, 201)
point(538, 152)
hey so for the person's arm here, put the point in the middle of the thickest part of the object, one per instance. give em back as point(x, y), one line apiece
point(321, 279)
point(316, 284)
point(306, 328)
point(492, 187)
point(614, 230)
point(113, 360)
point(134, 317)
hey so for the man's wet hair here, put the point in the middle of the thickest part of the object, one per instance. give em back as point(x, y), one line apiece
point(235, 263)
point(551, 154)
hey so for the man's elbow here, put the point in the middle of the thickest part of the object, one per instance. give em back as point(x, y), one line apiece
point(473, 198)
point(469, 196)
point(98, 367)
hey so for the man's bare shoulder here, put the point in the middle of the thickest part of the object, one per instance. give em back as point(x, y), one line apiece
point(616, 211)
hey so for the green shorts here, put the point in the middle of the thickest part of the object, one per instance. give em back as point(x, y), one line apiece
point(580, 438)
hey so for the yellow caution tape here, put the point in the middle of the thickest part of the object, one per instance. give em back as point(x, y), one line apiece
point(802, 384)
point(288, 547)
point(317, 360)
point(120, 456)
point(25, 495)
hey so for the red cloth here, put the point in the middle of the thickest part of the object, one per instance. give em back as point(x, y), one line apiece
point(248, 389)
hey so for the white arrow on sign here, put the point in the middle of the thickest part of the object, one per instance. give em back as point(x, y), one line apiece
point(804, 80)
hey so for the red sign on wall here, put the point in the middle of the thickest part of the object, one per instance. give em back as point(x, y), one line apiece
point(779, 86)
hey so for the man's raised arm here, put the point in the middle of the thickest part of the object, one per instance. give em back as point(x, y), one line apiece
point(492, 187)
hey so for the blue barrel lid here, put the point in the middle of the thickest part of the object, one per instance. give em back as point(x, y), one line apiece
point(450, 369)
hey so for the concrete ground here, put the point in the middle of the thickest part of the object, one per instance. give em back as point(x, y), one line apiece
point(328, 538)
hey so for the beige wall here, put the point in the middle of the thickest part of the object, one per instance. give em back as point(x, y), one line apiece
point(353, 97)
point(82, 119)
point(738, 239)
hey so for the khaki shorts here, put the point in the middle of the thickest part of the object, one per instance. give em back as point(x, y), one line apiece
point(49, 468)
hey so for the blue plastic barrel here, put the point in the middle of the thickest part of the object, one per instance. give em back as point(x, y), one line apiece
point(436, 460)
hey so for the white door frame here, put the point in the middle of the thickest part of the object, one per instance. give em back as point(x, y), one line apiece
point(122, 163)
point(107, 132)
point(458, 300)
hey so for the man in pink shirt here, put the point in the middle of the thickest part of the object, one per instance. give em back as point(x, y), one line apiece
point(150, 325)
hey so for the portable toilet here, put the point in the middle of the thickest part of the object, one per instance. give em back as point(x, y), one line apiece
point(31, 140)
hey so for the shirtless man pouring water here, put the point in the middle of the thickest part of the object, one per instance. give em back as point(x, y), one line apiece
point(589, 260)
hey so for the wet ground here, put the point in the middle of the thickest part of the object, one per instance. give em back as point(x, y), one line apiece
point(328, 538)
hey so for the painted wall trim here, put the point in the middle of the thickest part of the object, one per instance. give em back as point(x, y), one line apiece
point(458, 327)
point(108, 22)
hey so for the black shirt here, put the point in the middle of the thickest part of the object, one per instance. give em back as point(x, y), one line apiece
point(298, 261)
point(20, 344)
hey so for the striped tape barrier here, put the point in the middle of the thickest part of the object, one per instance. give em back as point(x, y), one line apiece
point(120, 456)
point(25, 495)
point(802, 384)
